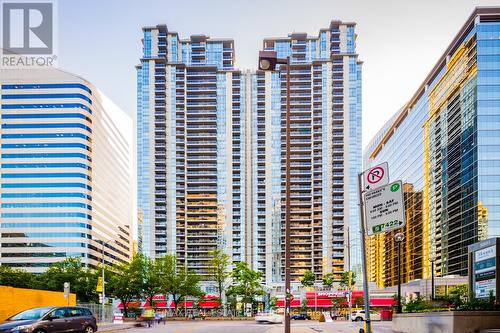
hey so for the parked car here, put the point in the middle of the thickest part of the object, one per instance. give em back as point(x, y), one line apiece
point(301, 316)
point(51, 320)
point(360, 315)
point(269, 317)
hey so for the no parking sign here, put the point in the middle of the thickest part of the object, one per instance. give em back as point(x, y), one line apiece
point(376, 176)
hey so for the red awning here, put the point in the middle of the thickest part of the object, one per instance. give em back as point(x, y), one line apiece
point(327, 303)
point(189, 304)
point(159, 304)
point(130, 305)
point(295, 303)
point(209, 304)
point(382, 302)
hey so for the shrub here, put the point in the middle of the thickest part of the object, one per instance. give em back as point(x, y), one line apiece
point(417, 304)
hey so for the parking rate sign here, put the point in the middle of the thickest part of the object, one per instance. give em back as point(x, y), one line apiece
point(384, 208)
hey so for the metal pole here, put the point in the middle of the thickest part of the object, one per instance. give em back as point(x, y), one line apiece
point(103, 290)
point(315, 299)
point(366, 292)
point(287, 201)
point(349, 283)
point(432, 282)
point(399, 277)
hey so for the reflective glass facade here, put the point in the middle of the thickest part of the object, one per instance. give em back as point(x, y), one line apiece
point(449, 156)
point(191, 134)
point(211, 151)
point(62, 145)
point(325, 106)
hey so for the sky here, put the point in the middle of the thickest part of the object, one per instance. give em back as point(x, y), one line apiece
point(399, 41)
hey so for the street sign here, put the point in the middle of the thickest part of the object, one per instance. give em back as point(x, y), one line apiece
point(98, 289)
point(376, 176)
point(384, 208)
point(66, 292)
point(66, 289)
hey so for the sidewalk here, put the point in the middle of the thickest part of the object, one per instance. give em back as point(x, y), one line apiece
point(110, 327)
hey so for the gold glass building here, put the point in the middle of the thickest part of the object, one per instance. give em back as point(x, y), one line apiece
point(444, 144)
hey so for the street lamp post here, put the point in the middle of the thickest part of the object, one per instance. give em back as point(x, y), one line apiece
point(267, 62)
point(103, 283)
point(399, 237)
point(432, 259)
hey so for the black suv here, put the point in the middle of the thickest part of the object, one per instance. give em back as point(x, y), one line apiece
point(51, 320)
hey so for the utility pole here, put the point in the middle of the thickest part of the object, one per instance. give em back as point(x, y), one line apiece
point(267, 62)
point(363, 254)
point(399, 237)
point(349, 291)
point(103, 312)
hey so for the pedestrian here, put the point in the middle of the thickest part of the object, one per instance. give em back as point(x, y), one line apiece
point(149, 315)
point(157, 318)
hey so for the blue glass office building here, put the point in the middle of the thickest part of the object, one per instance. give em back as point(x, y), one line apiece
point(65, 171)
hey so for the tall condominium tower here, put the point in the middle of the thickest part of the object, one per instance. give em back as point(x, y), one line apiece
point(445, 145)
point(325, 124)
point(190, 136)
point(211, 151)
point(66, 171)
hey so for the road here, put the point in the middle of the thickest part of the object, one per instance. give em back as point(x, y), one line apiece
point(252, 327)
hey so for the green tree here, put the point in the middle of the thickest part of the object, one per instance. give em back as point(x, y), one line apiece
point(308, 279)
point(303, 305)
point(219, 269)
point(83, 281)
point(273, 302)
point(338, 302)
point(18, 278)
point(358, 301)
point(344, 280)
point(186, 283)
point(328, 279)
point(126, 282)
point(167, 272)
point(246, 283)
point(150, 277)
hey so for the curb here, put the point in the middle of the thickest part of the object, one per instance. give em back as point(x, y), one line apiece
point(114, 329)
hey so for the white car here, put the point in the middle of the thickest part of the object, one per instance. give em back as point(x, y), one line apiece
point(360, 315)
point(268, 317)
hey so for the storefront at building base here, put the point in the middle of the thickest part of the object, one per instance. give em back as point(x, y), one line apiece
point(159, 302)
point(326, 300)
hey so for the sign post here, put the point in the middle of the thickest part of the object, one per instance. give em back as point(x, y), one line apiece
point(98, 289)
point(363, 255)
point(484, 270)
point(384, 208)
point(66, 291)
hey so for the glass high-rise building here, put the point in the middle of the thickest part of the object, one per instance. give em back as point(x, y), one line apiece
point(211, 152)
point(65, 169)
point(325, 105)
point(445, 145)
point(191, 158)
